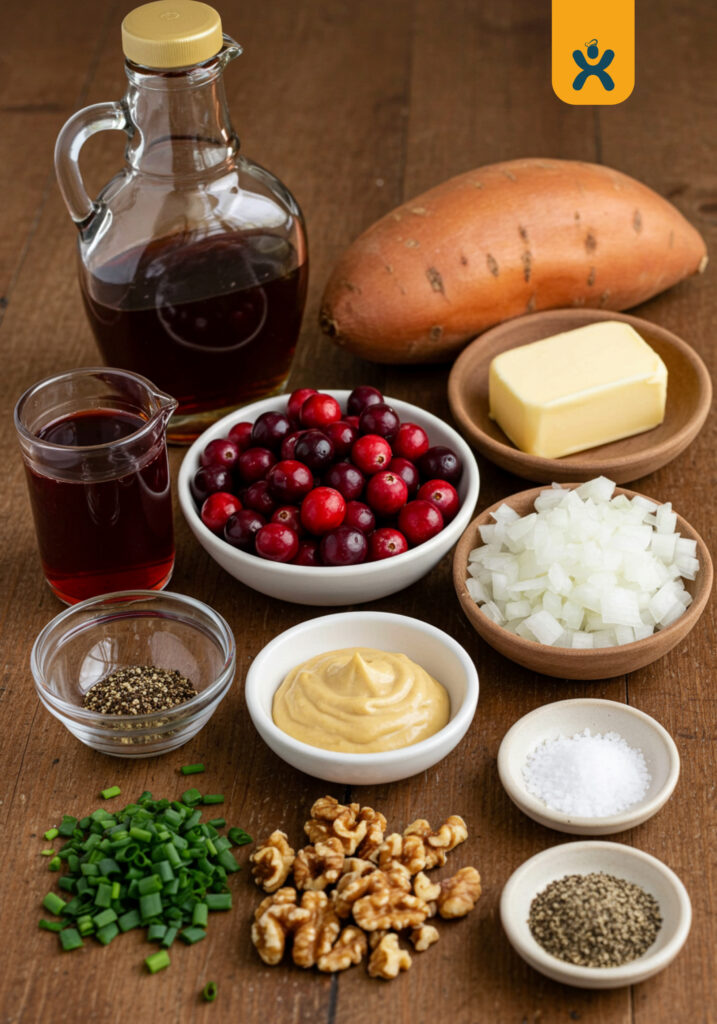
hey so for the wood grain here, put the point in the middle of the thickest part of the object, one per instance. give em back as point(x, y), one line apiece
point(357, 107)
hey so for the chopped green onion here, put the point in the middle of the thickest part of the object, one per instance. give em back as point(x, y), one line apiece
point(157, 961)
point(217, 822)
point(141, 834)
point(107, 794)
point(47, 853)
point(150, 905)
point(191, 796)
point(55, 864)
point(192, 935)
point(106, 934)
point(191, 769)
point(200, 915)
point(209, 992)
point(227, 861)
point(104, 917)
point(70, 939)
point(169, 937)
point(156, 932)
point(53, 903)
point(238, 837)
point(51, 834)
point(103, 896)
point(213, 798)
point(50, 926)
point(218, 900)
point(152, 883)
point(129, 920)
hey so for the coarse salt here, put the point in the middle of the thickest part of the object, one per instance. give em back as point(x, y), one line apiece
point(586, 775)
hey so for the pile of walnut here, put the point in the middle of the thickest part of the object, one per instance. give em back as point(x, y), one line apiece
point(378, 889)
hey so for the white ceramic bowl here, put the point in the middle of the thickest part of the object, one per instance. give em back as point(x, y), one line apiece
point(568, 717)
point(333, 585)
point(434, 650)
point(584, 858)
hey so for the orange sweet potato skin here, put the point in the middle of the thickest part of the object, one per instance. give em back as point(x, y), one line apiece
point(498, 242)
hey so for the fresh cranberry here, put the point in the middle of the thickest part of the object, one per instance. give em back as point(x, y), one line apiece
point(320, 409)
point(240, 434)
point(385, 543)
point(386, 493)
point(258, 496)
point(361, 397)
point(371, 453)
point(308, 553)
point(379, 419)
point(353, 421)
point(443, 495)
point(314, 449)
point(359, 516)
point(221, 452)
point(441, 463)
point(255, 463)
point(419, 520)
point(217, 509)
point(343, 436)
point(323, 509)
point(209, 479)
point(343, 546)
point(411, 442)
point(345, 478)
point(289, 481)
point(276, 542)
point(241, 528)
point(288, 445)
point(288, 515)
point(296, 400)
point(270, 430)
point(408, 473)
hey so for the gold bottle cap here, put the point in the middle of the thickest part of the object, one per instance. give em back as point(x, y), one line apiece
point(171, 34)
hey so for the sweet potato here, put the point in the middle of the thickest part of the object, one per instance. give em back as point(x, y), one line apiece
point(498, 242)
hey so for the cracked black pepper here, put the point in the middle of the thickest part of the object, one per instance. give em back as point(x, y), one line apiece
point(139, 690)
point(594, 920)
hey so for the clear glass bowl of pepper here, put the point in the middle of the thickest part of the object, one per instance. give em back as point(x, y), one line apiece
point(158, 664)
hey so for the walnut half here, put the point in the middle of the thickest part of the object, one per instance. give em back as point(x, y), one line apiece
point(388, 959)
point(459, 894)
point(272, 861)
point(319, 866)
point(349, 948)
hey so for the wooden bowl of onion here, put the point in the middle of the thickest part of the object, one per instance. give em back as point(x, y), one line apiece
point(582, 581)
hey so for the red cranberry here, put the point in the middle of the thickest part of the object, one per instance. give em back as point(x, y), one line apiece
point(371, 453)
point(343, 546)
point(207, 480)
point(289, 481)
point(441, 463)
point(240, 434)
point(343, 436)
point(255, 463)
point(408, 473)
point(359, 516)
point(270, 430)
point(288, 515)
point(276, 542)
point(315, 450)
point(411, 441)
point(320, 409)
point(217, 509)
point(386, 493)
point(308, 553)
point(419, 520)
point(288, 445)
point(221, 452)
point(345, 478)
point(379, 419)
point(361, 397)
point(258, 496)
point(323, 509)
point(296, 400)
point(241, 528)
point(443, 495)
point(385, 543)
point(353, 421)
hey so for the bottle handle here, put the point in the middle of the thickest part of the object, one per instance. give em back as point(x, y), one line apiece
point(74, 133)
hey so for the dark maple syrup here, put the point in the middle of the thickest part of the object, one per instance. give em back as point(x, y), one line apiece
point(213, 322)
point(99, 536)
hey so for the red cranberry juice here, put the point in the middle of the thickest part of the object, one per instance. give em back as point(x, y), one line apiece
point(96, 537)
point(212, 322)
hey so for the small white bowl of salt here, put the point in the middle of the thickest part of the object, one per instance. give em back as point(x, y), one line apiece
point(588, 767)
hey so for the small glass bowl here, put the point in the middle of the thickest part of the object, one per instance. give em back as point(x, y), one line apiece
point(86, 642)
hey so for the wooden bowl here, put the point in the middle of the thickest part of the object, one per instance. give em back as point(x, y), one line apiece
point(689, 393)
point(564, 662)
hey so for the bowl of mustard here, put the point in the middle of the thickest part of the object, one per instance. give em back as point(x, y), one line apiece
point(362, 698)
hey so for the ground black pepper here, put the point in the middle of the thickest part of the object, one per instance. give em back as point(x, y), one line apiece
point(594, 920)
point(138, 690)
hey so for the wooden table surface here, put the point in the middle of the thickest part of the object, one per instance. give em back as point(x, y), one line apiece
point(356, 107)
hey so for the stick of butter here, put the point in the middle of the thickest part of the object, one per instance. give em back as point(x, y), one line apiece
point(578, 389)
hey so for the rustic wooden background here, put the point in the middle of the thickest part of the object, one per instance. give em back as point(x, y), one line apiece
point(357, 106)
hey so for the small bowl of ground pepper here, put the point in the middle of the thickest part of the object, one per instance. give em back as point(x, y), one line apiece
point(136, 673)
point(595, 914)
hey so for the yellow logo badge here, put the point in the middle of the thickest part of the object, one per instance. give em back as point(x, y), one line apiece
point(593, 51)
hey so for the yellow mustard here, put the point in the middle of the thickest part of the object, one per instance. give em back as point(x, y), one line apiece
point(360, 700)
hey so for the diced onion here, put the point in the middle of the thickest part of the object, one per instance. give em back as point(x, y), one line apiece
point(585, 569)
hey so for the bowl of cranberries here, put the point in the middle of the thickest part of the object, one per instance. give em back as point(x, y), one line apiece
point(328, 498)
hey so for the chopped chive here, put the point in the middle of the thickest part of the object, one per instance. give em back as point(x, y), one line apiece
point(152, 883)
point(192, 935)
point(141, 834)
point(116, 890)
point(50, 926)
point(53, 903)
point(85, 925)
point(227, 861)
point(52, 833)
point(107, 934)
point(218, 900)
point(150, 905)
point(103, 896)
point(209, 992)
point(200, 915)
point(55, 864)
point(191, 796)
point(191, 769)
point(238, 837)
point(129, 920)
point(169, 937)
point(213, 798)
point(104, 917)
point(156, 932)
point(47, 853)
point(157, 961)
point(217, 822)
point(70, 939)
point(111, 791)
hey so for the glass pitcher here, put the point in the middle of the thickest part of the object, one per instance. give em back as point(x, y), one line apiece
point(192, 260)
